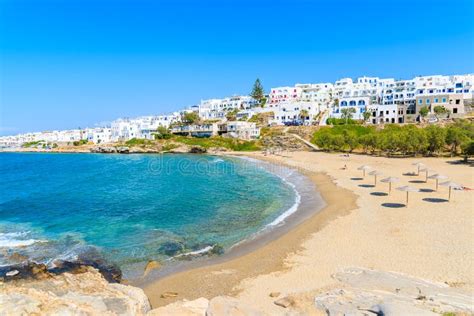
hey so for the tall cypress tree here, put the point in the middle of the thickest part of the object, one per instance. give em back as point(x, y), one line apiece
point(257, 91)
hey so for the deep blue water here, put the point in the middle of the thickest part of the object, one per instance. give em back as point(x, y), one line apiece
point(131, 208)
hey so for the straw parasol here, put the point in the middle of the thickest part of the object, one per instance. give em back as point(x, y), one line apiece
point(407, 189)
point(390, 180)
point(451, 184)
point(418, 165)
point(364, 168)
point(375, 173)
point(437, 177)
point(426, 170)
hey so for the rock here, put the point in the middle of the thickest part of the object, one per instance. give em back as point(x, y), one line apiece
point(171, 248)
point(151, 265)
point(169, 295)
point(197, 150)
point(225, 305)
point(85, 293)
point(274, 294)
point(18, 257)
point(12, 273)
point(123, 149)
point(390, 293)
point(183, 308)
point(284, 302)
point(217, 250)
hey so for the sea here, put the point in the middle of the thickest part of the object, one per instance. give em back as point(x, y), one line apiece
point(130, 209)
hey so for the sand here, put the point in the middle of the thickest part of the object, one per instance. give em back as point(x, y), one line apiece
point(431, 239)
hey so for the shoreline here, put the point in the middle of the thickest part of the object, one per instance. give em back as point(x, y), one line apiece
point(222, 275)
point(308, 202)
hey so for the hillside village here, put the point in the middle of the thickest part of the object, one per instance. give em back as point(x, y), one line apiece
point(370, 100)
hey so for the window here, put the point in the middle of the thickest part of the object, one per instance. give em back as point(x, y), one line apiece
point(444, 100)
point(455, 110)
point(427, 101)
point(436, 100)
point(420, 101)
point(458, 101)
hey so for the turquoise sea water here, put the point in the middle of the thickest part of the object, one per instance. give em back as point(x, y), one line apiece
point(132, 208)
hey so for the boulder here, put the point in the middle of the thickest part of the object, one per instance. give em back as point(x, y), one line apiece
point(151, 265)
point(169, 295)
point(86, 293)
point(225, 305)
point(284, 302)
point(183, 308)
point(197, 150)
point(274, 294)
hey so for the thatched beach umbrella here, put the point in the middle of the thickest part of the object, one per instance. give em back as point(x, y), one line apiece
point(390, 180)
point(375, 173)
point(407, 189)
point(364, 168)
point(437, 177)
point(426, 170)
point(451, 184)
point(418, 165)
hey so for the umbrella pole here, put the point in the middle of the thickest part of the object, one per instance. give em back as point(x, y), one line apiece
point(389, 187)
point(426, 178)
point(363, 172)
point(375, 181)
point(436, 184)
point(449, 198)
point(418, 173)
point(407, 200)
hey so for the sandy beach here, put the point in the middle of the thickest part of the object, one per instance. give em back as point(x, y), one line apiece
point(360, 227)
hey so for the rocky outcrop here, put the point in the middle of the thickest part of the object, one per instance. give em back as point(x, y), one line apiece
point(226, 305)
point(183, 308)
point(285, 142)
point(85, 293)
point(367, 292)
point(197, 150)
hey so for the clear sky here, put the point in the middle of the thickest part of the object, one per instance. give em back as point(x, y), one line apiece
point(74, 63)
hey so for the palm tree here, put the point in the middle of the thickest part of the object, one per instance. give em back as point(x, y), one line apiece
point(304, 114)
point(346, 114)
point(366, 115)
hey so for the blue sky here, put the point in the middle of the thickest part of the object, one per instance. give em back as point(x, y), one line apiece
point(74, 63)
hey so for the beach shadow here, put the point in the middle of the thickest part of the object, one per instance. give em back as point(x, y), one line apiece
point(410, 174)
point(379, 193)
point(435, 200)
point(356, 179)
point(416, 181)
point(366, 185)
point(427, 190)
point(393, 205)
point(470, 163)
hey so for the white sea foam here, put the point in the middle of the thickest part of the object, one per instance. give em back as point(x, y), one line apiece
point(193, 253)
point(284, 177)
point(280, 219)
point(217, 160)
point(13, 240)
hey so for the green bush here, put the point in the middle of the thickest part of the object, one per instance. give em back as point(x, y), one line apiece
point(395, 139)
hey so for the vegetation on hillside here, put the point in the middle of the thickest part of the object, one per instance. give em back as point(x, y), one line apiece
point(395, 139)
point(32, 144)
point(219, 142)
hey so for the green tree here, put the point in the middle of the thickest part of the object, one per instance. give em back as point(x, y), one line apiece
point(436, 138)
point(304, 114)
point(346, 114)
point(257, 91)
point(439, 110)
point(455, 136)
point(369, 142)
point(232, 115)
point(424, 112)
point(366, 115)
point(163, 133)
point(467, 149)
point(190, 117)
point(350, 139)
